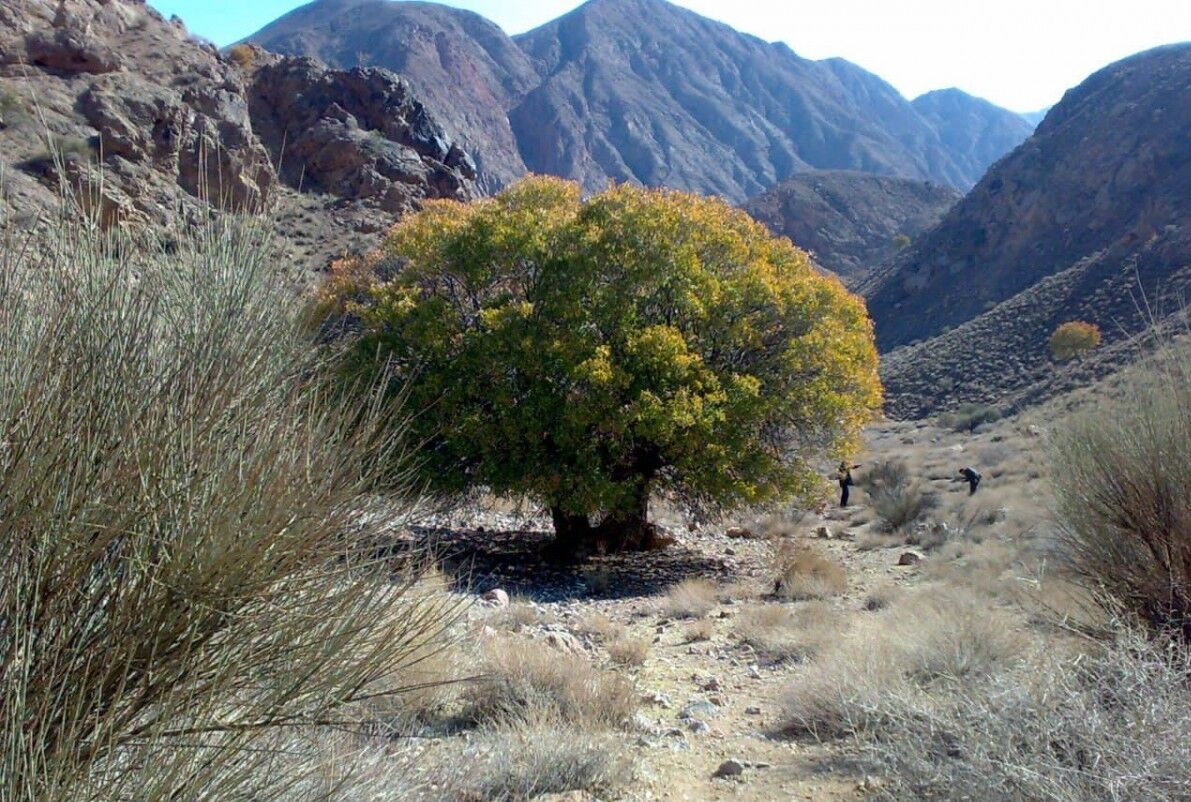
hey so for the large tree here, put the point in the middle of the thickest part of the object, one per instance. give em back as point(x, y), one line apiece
point(588, 354)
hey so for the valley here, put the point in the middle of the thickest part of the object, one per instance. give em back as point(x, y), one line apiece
point(394, 407)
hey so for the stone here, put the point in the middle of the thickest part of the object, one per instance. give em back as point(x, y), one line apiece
point(739, 533)
point(495, 598)
point(564, 642)
point(731, 552)
point(823, 533)
point(754, 671)
point(752, 710)
point(698, 727)
point(699, 708)
point(909, 558)
point(729, 768)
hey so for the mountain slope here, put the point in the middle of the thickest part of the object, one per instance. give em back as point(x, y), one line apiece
point(459, 63)
point(851, 221)
point(975, 132)
point(1089, 219)
point(637, 90)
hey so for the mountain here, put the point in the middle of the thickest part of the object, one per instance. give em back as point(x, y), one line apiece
point(1036, 117)
point(459, 63)
point(644, 91)
point(975, 132)
point(851, 221)
point(154, 128)
point(1088, 219)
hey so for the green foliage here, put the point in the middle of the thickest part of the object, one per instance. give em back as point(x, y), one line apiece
point(969, 416)
point(1073, 339)
point(585, 353)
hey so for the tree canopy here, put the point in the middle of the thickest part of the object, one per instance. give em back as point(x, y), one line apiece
point(588, 353)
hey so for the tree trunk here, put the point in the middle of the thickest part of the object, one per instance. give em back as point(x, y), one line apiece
point(628, 529)
point(573, 536)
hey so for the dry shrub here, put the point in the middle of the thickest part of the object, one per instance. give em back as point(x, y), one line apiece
point(627, 650)
point(519, 614)
point(926, 641)
point(1122, 478)
point(779, 633)
point(243, 56)
point(182, 582)
point(701, 630)
point(691, 598)
point(897, 499)
point(1091, 728)
point(598, 625)
point(519, 675)
point(804, 573)
point(532, 757)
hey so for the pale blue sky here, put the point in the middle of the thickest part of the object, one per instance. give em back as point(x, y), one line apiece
point(1021, 54)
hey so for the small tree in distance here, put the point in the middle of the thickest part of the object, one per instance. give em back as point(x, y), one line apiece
point(1074, 338)
point(589, 354)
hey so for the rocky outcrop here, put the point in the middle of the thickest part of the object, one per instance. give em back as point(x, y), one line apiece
point(642, 91)
point(458, 63)
point(851, 222)
point(1089, 219)
point(154, 127)
point(355, 133)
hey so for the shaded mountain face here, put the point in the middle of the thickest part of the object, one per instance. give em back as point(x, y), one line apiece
point(459, 64)
point(975, 132)
point(156, 127)
point(851, 222)
point(1089, 219)
point(643, 91)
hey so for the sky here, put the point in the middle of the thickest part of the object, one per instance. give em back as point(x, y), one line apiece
point(1020, 54)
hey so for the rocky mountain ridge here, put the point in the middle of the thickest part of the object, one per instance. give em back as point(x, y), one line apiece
point(152, 127)
point(648, 92)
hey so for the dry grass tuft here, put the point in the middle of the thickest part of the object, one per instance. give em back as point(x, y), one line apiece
point(701, 630)
point(1109, 725)
point(629, 650)
point(804, 573)
point(597, 625)
point(934, 637)
point(691, 598)
point(779, 633)
point(534, 757)
point(519, 676)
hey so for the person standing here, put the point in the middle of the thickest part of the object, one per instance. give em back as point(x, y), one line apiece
point(844, 475)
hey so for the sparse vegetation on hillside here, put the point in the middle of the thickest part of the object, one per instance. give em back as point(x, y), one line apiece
point(969, 416)
point(590, 354)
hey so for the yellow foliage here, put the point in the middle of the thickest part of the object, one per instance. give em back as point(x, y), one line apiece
point(1074, 338)
point(583, 352)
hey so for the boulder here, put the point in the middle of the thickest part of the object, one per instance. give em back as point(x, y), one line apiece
point(729, 768)
point(909, 558)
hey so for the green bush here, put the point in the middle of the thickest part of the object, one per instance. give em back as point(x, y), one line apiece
point(969, 416)
point(178, 483)
point(587, 354)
